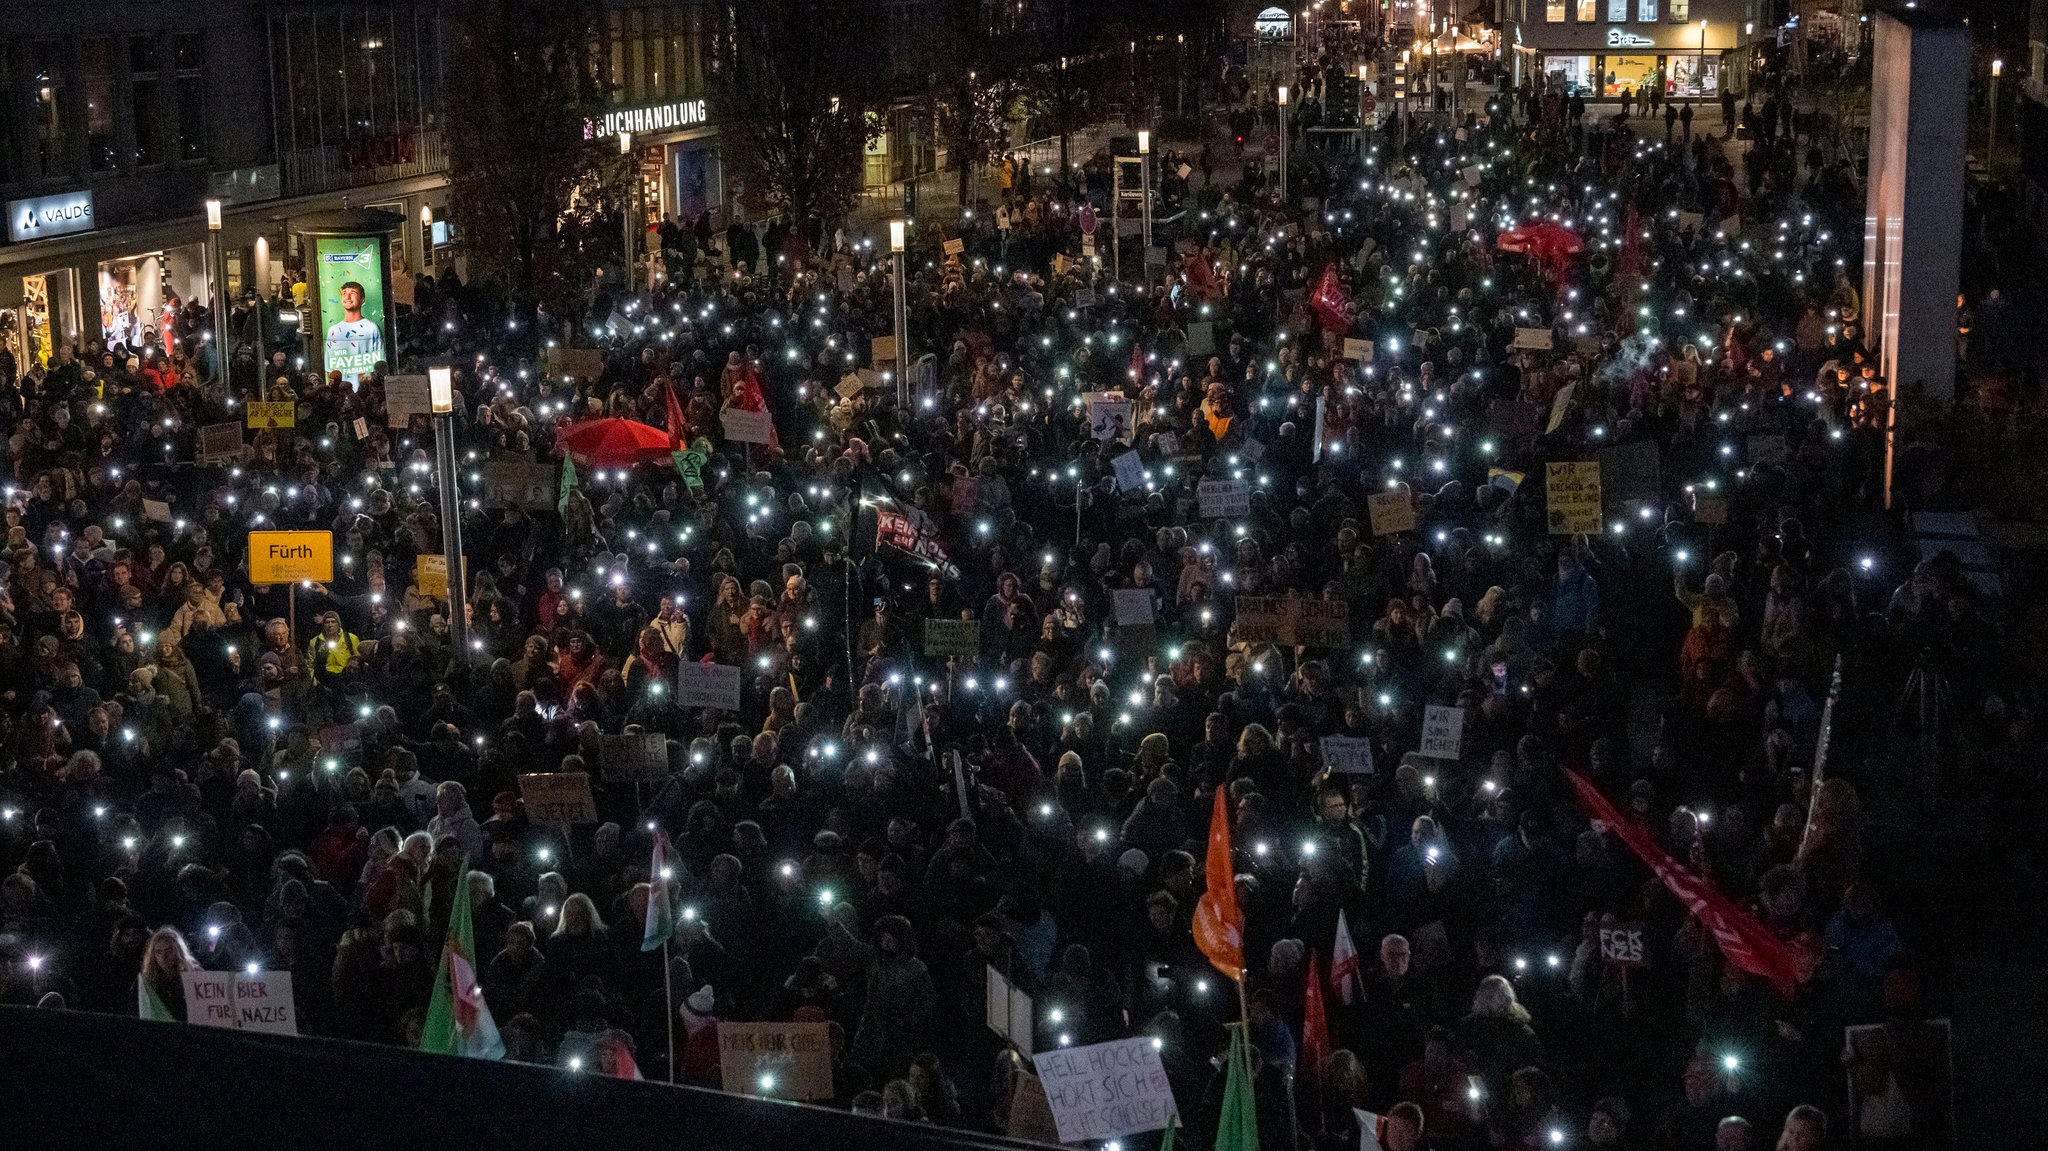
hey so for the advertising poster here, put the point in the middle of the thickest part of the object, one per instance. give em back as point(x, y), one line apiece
point(351, 282)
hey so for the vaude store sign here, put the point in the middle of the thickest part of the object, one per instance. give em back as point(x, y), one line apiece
point(45, 216)
point(658, 118)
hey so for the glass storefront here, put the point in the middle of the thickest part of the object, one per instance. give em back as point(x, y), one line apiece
point(1631, 74)
point(140, 296)
point(1689, 76)
point(1570, 75)
point(696, 182)
point(1694, 76)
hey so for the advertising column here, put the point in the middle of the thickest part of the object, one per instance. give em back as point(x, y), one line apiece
point(351, 332)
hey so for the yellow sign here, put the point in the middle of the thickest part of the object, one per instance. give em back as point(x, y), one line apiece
point(288, 557)
point(273, 415)
point(430, 575)
point(1572, 489)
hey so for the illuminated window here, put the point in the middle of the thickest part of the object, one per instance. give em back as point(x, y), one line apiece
point(1646, 11)
point(1553, 11)
point(1589, 12)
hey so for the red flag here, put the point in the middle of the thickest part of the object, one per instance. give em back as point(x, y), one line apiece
point(1746, 944)
point(1315, 1026)
point(1331, 302)
point(678, 425)
point(1219, 924)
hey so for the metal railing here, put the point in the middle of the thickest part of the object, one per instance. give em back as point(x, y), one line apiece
point(351, 165)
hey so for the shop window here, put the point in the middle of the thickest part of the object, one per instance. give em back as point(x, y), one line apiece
point(1646, 11)
point(144, 96)
point(188, 54)
point(1589, 12)
point(99, 104)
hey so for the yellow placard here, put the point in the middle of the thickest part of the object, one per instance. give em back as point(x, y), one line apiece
point(272, 415)
point(288, 557)
point(1572, 490)
point(430, 575)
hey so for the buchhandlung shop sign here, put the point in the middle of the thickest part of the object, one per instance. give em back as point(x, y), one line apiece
point(44, 216)
point(656, 118)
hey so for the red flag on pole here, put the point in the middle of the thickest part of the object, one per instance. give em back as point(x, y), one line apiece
point(1219, 924)
point(1746, 944)
point(1331, 302)
point(1315, 1026)
point(678, 425)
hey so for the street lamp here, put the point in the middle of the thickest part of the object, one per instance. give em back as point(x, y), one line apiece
point(626, 209)
point(1991, 141)
point(1145, 205)
point(441, 399)
point(1699, 67)
point(218, 268)
point(1283, 143)
point(896, 238)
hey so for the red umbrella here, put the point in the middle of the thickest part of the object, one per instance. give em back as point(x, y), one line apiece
point(614, 443)
point(1550, 245)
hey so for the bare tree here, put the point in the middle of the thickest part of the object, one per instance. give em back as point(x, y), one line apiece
point(528, 186)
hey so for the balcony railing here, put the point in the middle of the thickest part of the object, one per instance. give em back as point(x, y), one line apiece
point(394, 155)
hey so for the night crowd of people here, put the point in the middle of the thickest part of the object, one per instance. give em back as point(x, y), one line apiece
point(204, 772)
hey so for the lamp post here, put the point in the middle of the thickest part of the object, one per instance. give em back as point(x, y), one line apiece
point(441, 398)
point(1363, 70)
point(1283, 143)
point(896, 238)
point(1991, 141)
point(626, 208)
point(1699, 66)
point(1145, 204)
point(217, 267)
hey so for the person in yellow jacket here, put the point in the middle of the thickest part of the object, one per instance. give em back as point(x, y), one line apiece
point(333, 653)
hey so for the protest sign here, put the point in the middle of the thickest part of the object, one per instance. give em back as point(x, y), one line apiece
point(210, 998)
point(1443, 731)
point(1223, 498)
point(882, 350)
point(241, 1001)
point(1106, 1090)
point(406, 397)
point(954, 247)
point(289, 557)
point(156, 511)
point(521, 484)
point(1130, 472)
point(1133, 606)
point(1030, 1119)
point(272, 416)
point(1533, 339)
point(786, 1060)
point(1322, 622)
point(1572, 489)
point(580, 363)
point(634, 758)
point(430, 575)
point(558, 797)
point(219, 444)
point(1347, 755)
point(1358, 350)
point(1622, 945)
point(361, 427)
point(951, 637)
point(1291, 622)
point(708, 685)
point(1392, 512)
point(1111, 416)
point(745, 427)
point(1008, 1013)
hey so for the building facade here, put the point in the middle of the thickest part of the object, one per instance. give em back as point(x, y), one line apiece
point(1603, 49)
point(119, 121)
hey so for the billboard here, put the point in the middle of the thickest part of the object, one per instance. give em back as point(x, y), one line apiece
point(351, 285)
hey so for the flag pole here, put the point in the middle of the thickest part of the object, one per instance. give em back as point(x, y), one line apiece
point(668, 996)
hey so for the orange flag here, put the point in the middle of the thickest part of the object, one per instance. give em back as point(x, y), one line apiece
point(1219, 924)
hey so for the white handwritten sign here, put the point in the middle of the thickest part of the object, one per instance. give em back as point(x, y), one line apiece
point(241, 1001)
point(1133, 606)
point(1347, 755)
point(708, 685)
point(745, 427)
point(1443, 731)
point(1106, 1091)
point(1223, 498)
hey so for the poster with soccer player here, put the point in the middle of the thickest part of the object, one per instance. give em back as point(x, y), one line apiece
point(352, 304)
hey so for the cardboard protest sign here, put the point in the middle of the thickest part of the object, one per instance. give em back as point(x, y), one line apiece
point(1572, 489)
point(1112, 416)
point(1322, 622)
point(580, 363)
point(1358, 350)
point(1292, 622)
point(241, 1001)
point(1443, 731)
point(1347, 755)
point(522, 484)
point(1008, 1013)
point(1133, 606)
point(1392, 512)
point(406, 397)
point(786, 1060)
point(558, 797)
point(430, 575)
point(219, 444)
point(708, 685)
point(1130, 472)
point(634, 758)
point(951, 637)
point(882, 350)
point(1533, 339)
point(1106, 1090)
point(745, 427)
point(361, 428)
point(156, 511)
point(1622, 945)
point(1223, 499)
point(954, 247)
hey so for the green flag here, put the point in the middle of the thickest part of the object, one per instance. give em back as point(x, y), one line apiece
point(458, 1021)
point(568, 485)
point(150, 1005)
point(1237, 1125)
point(690, 465)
